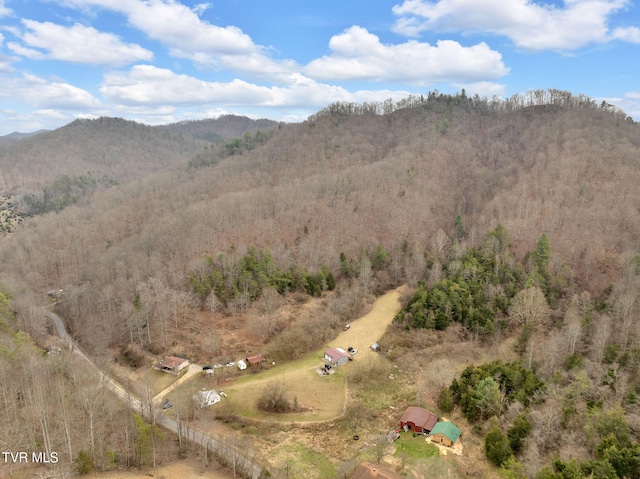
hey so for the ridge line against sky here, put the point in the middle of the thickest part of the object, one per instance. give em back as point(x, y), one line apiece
point(161, 61)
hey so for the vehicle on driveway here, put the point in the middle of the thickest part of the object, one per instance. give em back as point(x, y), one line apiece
point(352, 350)
point(347, 327)
point(165, 404)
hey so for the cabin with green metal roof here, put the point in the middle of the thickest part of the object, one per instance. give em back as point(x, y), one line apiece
point(446, 433)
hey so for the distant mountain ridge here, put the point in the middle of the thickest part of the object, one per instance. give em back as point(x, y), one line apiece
point(214, 129)
point(121, 149)
point(16, 135)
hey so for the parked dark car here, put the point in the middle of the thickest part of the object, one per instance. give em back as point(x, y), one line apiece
point(207, 367)
point(165, 404)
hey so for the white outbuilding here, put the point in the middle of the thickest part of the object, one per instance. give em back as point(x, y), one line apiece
point(206, 398)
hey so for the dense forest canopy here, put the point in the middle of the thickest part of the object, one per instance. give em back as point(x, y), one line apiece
point(346, 181)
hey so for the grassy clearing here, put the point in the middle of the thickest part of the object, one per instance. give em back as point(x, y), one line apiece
point(158, 380)
point(377, 384)
point(415, 447)
point(298, 461)
point(324, 397)
point(140, 379)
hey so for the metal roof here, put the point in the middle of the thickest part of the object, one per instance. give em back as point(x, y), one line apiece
point(448, 429)
point(420, 417)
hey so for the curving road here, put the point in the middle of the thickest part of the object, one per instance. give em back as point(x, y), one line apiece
point(229, 452)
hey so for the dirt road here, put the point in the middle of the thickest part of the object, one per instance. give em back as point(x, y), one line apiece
point(324, 397)
point(221, 448)
point(371, 327)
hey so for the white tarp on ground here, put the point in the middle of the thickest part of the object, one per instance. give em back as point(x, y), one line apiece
point(206, 398)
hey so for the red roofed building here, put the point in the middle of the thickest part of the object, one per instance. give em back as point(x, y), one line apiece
point(337, 356)
point(418, 419)
point(256, 360)
point(172, 364)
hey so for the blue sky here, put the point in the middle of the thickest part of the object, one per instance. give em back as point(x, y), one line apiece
point(161, 61)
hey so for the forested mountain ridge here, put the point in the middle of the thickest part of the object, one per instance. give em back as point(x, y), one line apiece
point(118, 148)
point(472, 203)
point(346, 181)
point(16, 135)
point(214, 129)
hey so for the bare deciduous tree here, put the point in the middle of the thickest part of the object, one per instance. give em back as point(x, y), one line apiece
point(601, 333)
point(529, 306)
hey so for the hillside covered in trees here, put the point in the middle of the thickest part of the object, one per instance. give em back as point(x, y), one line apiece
point(112, 147)
point(510, 220)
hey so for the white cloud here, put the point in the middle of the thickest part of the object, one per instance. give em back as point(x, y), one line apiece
point(5, 63)
point(177, 26)
point(4, 11)
point(530, 25)
point(50, 114)
point(150, 87)
point(43, 94)
point(180, 27)
point(483, 89)
point(201, 8)
point(77, 43)
point(260, 66)
point(628, 34)
point(359, 55)
point(186, 35)
point(29, 53)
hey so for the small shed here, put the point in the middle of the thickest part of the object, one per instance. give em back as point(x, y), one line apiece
point(337, 356)
point(418, 420)
point(255, 361)
point(172, 364)
point(375, 347)
point(446, 433)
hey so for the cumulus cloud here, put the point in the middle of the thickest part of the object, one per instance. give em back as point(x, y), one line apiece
point(530, 25)
point(186, 35)
point(150, 85)
point(359, 55)
point(77, 43)
point(147, 86)
point(45, 95)
point(182, 29)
